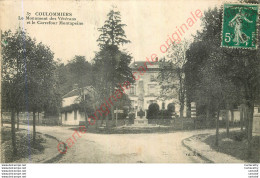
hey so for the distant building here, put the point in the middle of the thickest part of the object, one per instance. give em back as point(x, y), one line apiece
point(70, 112)
point(147, 89)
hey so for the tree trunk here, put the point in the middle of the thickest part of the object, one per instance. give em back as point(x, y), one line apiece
point(227, 122)
point(112, 113)
point(188, 112)
point(107, 121)
point(13, 133)
point(207, 115)
point(181, 110)
point(112, 105)
point(102, 121)
point(181, 92)
point(34, 127)
point(242, 120)
point(86, 118)
point(38, 118)
point(217, 130)
point(250, 128)
point(246, 119)
point(18, 120)
point(2, 123)
point(232, 117)
point(96, 126)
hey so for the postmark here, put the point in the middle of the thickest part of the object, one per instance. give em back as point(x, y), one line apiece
point(239, 27)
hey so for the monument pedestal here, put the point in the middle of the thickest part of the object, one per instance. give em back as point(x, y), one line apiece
point(141, 121)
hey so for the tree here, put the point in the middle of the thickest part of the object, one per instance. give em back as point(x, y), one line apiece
point(235, 69)
point(172, 74)
point(80, 70)
point(28, 79)
point(42, 88)
point(171, 107)
point(76, 71)
point(16, 50)
point(153, 111)
point(112, 32)
point(111, 65)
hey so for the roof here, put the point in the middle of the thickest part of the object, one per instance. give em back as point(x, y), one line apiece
point(77, 92)
point(137, 64)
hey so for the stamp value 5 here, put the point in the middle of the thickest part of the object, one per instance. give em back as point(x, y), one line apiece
point(239, 27)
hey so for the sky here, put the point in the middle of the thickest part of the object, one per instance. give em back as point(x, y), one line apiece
point(148, 24)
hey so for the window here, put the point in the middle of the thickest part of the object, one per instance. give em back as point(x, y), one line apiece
point(152, 89)
point(75, 115)
point(152, 77)
point(66, 118)
point(132, 90)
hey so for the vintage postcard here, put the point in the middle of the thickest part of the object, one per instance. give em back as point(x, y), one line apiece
point(130, 81)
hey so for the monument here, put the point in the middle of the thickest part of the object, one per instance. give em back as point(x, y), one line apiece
point(140, 114)
point(140, 118)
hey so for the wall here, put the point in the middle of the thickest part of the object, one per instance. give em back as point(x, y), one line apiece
point(146, 79)
point(51, 120)
point(70, 118)
point(236, 115)
point(110, 123)
point(23, 117)
point(256, 122)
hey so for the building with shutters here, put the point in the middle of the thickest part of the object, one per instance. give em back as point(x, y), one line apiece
point(147, 89)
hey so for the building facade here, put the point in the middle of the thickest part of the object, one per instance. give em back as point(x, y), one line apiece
point(147, 89)
point(70, 113)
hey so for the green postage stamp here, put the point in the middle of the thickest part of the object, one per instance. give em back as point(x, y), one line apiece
point(239, 28)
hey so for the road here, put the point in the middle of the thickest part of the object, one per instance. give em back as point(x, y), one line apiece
point(124, 148)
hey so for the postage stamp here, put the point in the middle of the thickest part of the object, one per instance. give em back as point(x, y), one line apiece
point(239, 27)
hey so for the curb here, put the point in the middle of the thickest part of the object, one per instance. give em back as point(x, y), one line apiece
point(209, 154)
point(196, 151)
point(57, 156)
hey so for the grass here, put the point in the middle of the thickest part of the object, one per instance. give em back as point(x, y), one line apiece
point(24, 145)
point(128, 130)
point(236, 145)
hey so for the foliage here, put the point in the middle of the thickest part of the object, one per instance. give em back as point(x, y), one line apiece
point(76, 71)
point(111, 65)
point(28, 81)
point(214, 73)
point(22, 144)
point(165, 114)
point(13, 68)
point(221, 78)
point(112, 32)
point(172, 74)
point(123, 103)
point(153, 111)
point(171, 107)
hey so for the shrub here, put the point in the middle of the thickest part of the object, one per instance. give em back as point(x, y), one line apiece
point(131, 116)
point(153, 111)
point(165, 114)
point(171, 107)
point(239, 136)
